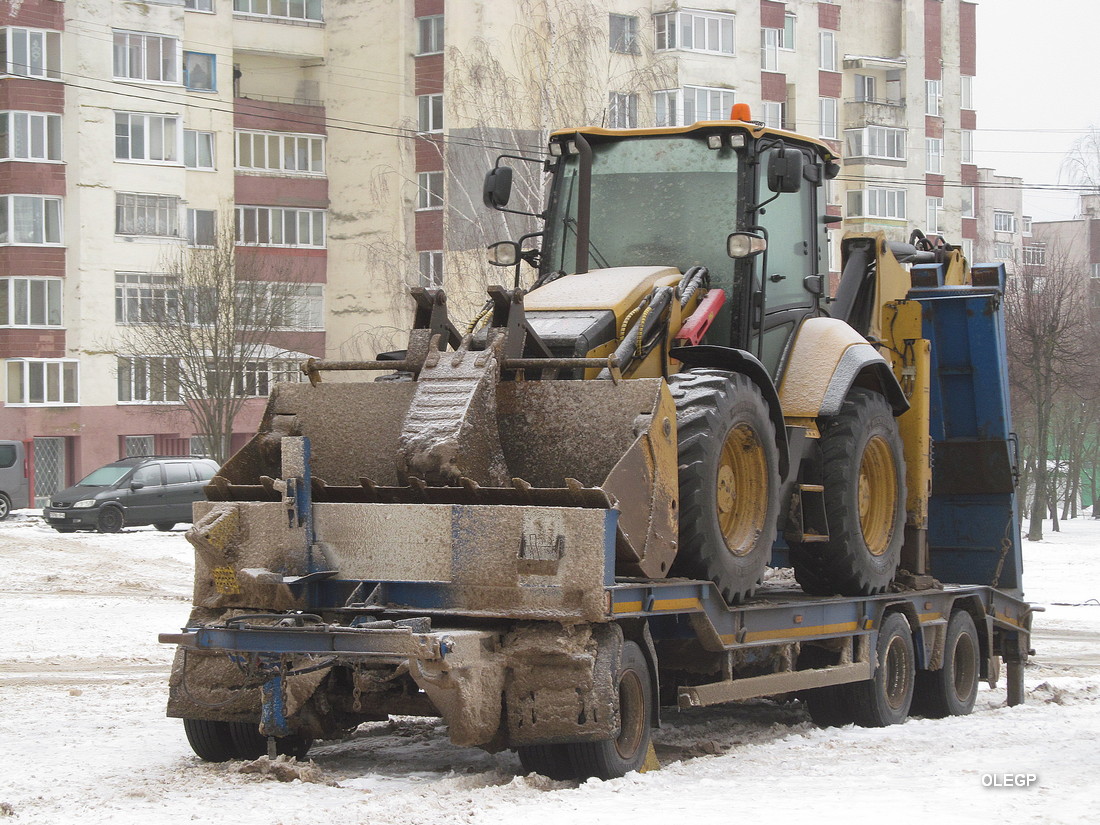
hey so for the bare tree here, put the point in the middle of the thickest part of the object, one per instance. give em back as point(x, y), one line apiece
point(1082, 163)
point(212, 332)
point(1046, 310)
point(505, 93)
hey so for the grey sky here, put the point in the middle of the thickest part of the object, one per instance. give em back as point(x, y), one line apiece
point(1038, 88)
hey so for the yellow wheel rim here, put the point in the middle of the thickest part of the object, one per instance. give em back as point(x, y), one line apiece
point(742, 490)
point(878, 495)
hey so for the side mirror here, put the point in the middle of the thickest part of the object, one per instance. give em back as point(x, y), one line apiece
point(504, 253)
point(498, 187)
point(785, 169)
point(136, 485)
point(745, 245)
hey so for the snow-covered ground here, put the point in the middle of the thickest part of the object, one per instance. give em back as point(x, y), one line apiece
point(84, 737)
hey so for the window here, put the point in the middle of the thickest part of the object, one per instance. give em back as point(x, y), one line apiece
point(966, 92)
point(682, 107)
point(142, 298)
point(933, 149)
point(257, 377)
point(288, 9)
point(198, 150)
point(876, 142)
point(281, 152)
point(877, 202)
point(151, 57)
point(623, 30)
point(199, 5)
point(1004, 222)
point(968, 249)
point(430, 195)
point(1096, 270)
point(178, 472)
point(828, 109)
point(431, 270)
point(431, 113)
point(136, 445)
point(622, 110)
point(273, 226)
point(156, 215)
point(788, 32)
point(199, 71)
point(1025, 224)
point(969, 198)
point(773, 114)
point(285, 305)
point(933, 93)
point(1002, 251)
point(30, 136)
point(42, 382)
point(201, 227)
point(30, 302)
point(827, 51)
point(695, 31)
point(30, 220)
point(30, 53)
point(149, 138)
point(1035, 255)
point(967, 146)
point(769, 49)
point(865, 87)
point(430, 34)
point(143, 380)
point(935, 213)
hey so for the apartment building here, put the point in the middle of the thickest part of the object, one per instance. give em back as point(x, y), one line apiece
point(1069, 245)
point(344, 144)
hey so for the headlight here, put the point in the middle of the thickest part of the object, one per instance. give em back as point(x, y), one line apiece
point(84, 504)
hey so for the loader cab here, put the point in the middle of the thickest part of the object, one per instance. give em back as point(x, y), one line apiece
point(672, 196)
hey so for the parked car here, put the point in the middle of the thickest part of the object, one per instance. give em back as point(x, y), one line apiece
point(157, 490)
point(14, 487)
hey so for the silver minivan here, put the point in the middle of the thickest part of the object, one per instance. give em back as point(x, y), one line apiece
point(14, 485)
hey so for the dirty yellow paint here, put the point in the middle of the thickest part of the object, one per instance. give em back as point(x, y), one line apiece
point(225, 581)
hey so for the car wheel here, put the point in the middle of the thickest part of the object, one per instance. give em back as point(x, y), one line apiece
point(5, 506)
point(164, 526)
point(65, 529)
point(110, 520)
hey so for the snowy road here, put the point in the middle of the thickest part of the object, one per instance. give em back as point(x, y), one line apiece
point(82, 725)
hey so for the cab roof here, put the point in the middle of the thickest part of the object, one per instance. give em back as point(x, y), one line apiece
point(754, 129)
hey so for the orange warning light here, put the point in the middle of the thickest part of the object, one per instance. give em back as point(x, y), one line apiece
point(741, 111)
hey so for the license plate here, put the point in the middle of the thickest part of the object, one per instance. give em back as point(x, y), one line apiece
point(55, 514)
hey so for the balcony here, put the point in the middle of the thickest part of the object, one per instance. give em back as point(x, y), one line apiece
point(875, 113)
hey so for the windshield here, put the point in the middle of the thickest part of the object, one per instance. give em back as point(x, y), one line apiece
point(103, 477)
point(656, 201)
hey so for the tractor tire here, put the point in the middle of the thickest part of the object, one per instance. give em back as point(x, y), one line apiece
point(211, 741)
point(951, 690)
point(250, 744)
point(729, 480)
point(886, 697)
point(110, 520)
point(863, 472)
point(612, 758)
point(552, 761)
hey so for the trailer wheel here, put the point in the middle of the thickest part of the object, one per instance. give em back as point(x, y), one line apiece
point(552, 761)
point(828, 706)
point(110, 520)
point(729, 480)
point(211, 741)
point(249, 743)
point(951, 690)
point(616, 757)
point(886, 697)
point(863, 473)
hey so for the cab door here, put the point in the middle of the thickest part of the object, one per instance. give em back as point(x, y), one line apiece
point(795, 234)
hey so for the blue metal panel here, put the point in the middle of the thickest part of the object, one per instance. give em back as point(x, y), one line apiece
point(973, 533)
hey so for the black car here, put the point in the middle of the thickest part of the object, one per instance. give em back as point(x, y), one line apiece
point(157, 490)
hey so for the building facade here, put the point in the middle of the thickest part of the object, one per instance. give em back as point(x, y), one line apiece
point(342, 144)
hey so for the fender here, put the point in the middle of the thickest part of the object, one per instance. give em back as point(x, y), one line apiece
point(826, 360)
point(737, 360)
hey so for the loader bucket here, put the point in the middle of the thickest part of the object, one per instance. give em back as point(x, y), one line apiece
point(459, 435)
